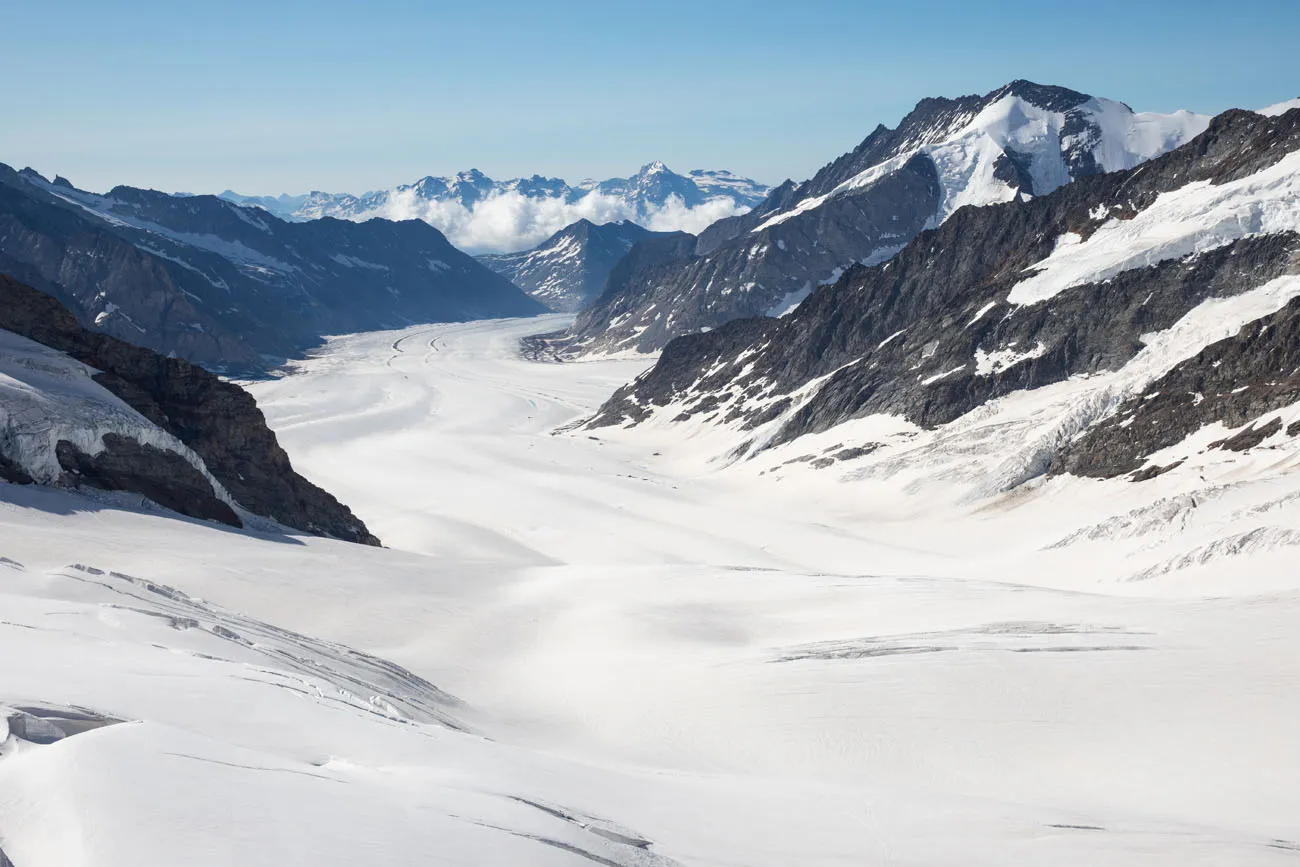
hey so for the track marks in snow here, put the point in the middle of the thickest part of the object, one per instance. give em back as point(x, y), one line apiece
point(1025, 637)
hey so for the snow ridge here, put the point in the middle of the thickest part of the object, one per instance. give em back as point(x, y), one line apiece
point(1048, 144)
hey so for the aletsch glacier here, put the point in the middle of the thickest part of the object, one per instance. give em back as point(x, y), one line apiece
point(981, 554)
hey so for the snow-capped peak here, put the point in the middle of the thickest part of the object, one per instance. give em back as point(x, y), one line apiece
point(1280, 108)
point(1024, 139)
point(481, 214)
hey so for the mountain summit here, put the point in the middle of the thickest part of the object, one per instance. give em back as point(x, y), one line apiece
point(1020, 141)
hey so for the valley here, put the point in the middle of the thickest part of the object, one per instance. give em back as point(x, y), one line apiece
point(917, 484)
point(616, 648)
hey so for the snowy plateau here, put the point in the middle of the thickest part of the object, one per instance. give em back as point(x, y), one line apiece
point(608, 649)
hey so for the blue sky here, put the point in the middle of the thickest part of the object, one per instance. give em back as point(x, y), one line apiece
point(289, 96)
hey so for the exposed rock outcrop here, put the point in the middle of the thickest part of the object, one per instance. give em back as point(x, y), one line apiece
point(218, 420)
point(1236, 382)
point(164, 477)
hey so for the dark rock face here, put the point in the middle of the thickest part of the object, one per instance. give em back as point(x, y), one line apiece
point(569, 269)
point(763, 272)
point(1264, 357)
point(749, 266)
point(219, 421)
point(12, 473)
point(903, 337)
point(164, 477)
point(229, 286)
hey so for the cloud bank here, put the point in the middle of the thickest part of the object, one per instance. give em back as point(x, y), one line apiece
point(508, 222)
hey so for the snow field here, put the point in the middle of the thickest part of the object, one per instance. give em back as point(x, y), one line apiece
point(679, 661)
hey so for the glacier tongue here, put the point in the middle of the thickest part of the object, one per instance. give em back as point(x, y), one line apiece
point(658, 662)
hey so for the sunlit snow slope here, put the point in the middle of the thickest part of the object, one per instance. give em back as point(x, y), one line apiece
point(608, 650)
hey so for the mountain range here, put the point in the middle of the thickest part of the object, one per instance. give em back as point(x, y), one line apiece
point(1125, 324)
point(483, 215)
point(228, 286)
point(1020, 141)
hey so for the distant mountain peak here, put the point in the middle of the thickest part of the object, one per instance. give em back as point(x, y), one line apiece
point(639, 198)
point(570, 268)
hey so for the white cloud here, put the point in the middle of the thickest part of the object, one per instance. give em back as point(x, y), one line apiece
point(510, 221)
point(674, 216)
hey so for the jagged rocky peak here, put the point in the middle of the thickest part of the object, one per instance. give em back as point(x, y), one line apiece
point(81, 409)
point(570, 268)
point(1136, 320)
point(1023, 139)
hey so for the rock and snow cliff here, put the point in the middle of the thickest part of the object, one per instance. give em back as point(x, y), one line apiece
point(1094, 330)
point(82, 409)
point(1021, 141)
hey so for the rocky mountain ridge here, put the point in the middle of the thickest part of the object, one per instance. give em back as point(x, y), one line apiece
point(569, 269)
point(233, 287)
point(1138, 307)
point(1020, 141)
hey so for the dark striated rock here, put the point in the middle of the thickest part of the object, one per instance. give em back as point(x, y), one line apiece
point(11, 472)
point(162, 476)
point(218, 420)
point(1250, 437)
point(1264, 357)
point(902, 337)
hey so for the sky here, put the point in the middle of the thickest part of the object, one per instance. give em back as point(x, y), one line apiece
point(270, 97)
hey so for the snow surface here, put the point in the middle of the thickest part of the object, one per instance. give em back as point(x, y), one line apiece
point(1192, 219)
point(615, 649)
point(1281, 108)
